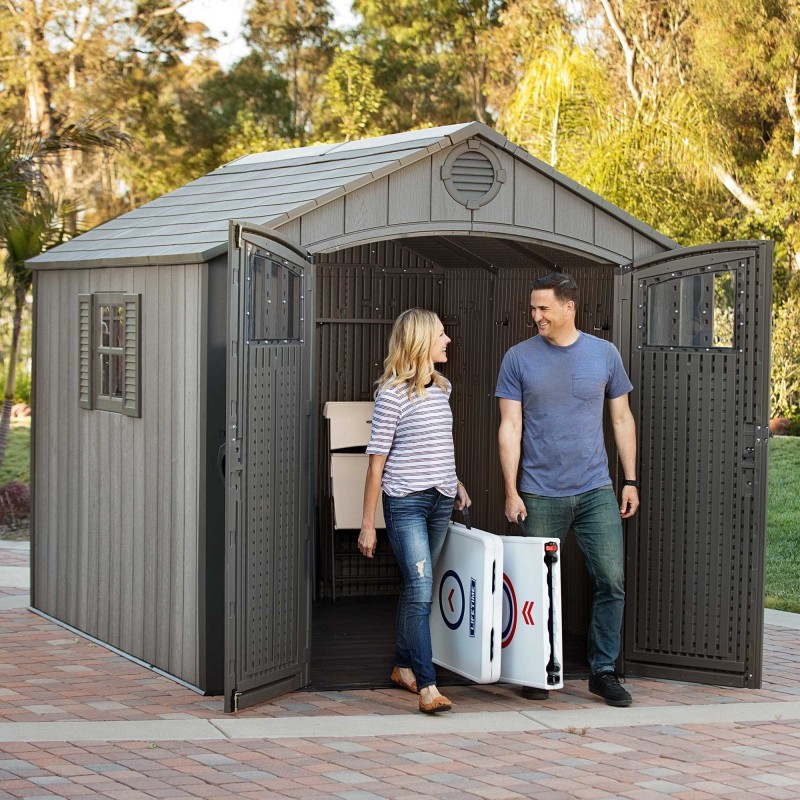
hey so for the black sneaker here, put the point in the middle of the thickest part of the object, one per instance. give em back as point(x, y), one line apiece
point(606, 684)
point(533, 693)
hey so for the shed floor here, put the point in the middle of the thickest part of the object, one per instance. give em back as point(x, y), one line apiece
point(353, 646)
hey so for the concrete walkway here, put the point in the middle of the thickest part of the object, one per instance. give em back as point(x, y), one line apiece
point(77, 720)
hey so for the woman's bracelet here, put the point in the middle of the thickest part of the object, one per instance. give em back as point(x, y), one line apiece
point(458, 483)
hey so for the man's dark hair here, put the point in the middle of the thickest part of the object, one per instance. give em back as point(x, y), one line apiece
point(563, 286)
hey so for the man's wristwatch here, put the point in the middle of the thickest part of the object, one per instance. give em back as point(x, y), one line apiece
point(633, 483)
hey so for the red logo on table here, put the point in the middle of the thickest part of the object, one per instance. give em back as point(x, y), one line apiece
point(509, 611)
point(527, 612)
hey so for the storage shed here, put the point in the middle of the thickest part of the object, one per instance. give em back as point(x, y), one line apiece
point(201, 336)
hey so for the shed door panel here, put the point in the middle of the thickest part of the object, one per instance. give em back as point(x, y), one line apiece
point(267, 553)
point(700, 369)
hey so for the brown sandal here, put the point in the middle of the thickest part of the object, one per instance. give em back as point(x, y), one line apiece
point(397, 679)
point(439, 703)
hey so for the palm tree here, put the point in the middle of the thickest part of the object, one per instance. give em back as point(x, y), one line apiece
point(41, 225)
point(31, 220)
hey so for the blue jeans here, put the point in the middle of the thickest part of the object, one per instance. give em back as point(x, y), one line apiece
point(417, 526)
point(594, 517)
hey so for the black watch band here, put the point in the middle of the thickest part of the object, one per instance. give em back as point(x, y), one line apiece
point(633, 483)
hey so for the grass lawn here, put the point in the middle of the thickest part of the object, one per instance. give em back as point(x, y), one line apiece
point(17, 463)
point(782, 585)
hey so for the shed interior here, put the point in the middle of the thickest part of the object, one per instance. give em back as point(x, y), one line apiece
point(479, 286)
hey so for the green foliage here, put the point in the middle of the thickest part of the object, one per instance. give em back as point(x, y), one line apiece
point(430, 58)
point(22, 389)
point(353, 99)
point(785, 384)
point(16, 465)
point(782, 579)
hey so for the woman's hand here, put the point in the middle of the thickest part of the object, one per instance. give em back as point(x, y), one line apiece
point(367, 541)
point(462, 498)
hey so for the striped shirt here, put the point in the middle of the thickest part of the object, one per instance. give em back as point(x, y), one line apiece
point(417, 436)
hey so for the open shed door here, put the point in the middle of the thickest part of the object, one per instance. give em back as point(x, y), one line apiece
point(268, 476)
point(699, 360)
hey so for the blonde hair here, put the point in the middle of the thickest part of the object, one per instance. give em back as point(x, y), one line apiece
point(409, 361)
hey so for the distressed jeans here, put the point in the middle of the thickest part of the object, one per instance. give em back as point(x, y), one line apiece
point(594, 517)
point(417, 526)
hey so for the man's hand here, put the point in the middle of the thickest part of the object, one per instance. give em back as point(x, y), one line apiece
point(629, 502)
point(515, 508)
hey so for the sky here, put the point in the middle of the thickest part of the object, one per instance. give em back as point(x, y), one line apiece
point(223, 18)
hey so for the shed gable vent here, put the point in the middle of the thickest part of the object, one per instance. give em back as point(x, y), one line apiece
point(472, 174)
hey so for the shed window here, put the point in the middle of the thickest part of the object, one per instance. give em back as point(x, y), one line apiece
point(692, 311)
point(276, 296)
point(109, 352)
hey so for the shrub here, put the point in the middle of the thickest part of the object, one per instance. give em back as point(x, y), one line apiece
point(785, 389)
point(22, 387)
point(15, 503)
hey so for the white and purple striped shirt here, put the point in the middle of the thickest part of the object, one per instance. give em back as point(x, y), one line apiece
point(417, 436)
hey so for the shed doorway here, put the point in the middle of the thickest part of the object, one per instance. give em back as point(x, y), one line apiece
point(479, 286)
point(693, 327)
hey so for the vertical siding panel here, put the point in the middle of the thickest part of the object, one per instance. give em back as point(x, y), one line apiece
point(574, 216)
point(535, 199)
point(100, 546)
point(152, 453)
point(410, 194)
point(114, 487)
point(163, 499)
point(81, 446)
point(290, 230)
point(367, 207)
point(122, 563)
point(45, 405)
point(324, 222)
point(193, 341)
point(178, 409)
point(70, 454)
point(139, 468)
point(55, 320)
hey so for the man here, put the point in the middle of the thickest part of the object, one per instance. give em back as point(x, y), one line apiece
point(552, 389)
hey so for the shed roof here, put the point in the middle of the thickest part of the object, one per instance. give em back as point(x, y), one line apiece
point(190, 224)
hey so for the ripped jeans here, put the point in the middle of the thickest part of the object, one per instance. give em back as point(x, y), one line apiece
point(417, 526)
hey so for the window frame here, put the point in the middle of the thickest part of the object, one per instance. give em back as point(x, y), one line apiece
point(92, 350)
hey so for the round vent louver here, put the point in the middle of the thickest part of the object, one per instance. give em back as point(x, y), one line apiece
point(472, 174)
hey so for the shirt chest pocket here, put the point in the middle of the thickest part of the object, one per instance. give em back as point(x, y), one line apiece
point(588, 387)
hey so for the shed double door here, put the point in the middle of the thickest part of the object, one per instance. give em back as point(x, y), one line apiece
point(697, 331)
point(268, 476)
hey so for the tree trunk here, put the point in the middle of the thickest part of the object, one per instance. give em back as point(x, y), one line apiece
point(11, 378)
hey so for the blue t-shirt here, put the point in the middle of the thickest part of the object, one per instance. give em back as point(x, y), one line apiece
point(562, 391)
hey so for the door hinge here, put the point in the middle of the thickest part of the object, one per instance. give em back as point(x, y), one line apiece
point(237, 236)
point(236, 461)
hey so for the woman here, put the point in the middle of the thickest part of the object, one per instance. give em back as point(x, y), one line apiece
point(412, 461)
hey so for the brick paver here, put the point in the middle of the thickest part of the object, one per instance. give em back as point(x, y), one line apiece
point(48, 673)
point(704, 761)
point(54, 674)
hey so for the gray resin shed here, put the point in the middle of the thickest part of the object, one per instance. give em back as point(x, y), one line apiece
point(201, 335)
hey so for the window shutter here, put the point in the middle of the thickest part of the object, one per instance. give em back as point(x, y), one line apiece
point(85, 359)
point(132, 395)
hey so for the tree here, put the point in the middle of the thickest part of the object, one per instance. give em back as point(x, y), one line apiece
point(31, 218)
point(353, 100)
point(430, 58)
point(612, 126)
point(295, 39)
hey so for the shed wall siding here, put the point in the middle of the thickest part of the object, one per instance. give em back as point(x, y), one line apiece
point(530, 204)
point(116, 497)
